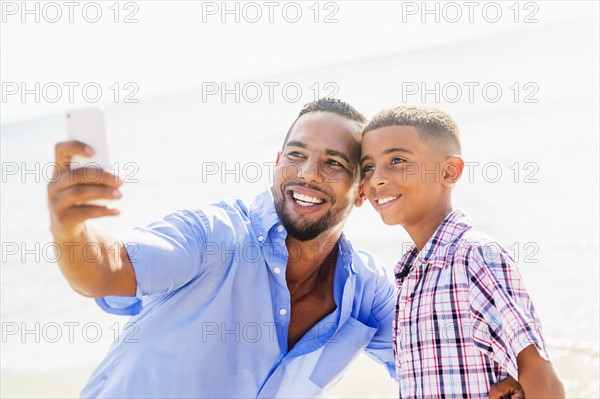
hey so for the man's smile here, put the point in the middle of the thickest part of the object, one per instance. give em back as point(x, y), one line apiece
point(305, 199)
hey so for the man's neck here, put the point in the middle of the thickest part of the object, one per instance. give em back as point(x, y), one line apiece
point(308, 259)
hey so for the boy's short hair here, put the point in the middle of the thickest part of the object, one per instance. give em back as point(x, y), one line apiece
point(333, 105)
point(434, 126)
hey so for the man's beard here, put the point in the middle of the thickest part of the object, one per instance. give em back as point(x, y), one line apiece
point(303, 230)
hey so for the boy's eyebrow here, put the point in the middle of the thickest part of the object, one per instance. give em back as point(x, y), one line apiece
point(328, 151)
point(388, 151)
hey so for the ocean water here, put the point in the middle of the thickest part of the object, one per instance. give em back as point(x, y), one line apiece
point(532, 184)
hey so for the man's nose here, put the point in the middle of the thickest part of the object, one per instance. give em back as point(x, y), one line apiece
point(311, 170)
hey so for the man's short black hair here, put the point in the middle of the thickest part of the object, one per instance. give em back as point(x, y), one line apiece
point(333, 105)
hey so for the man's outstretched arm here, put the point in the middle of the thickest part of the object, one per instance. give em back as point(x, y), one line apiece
point(94, 263)
point(508, 387)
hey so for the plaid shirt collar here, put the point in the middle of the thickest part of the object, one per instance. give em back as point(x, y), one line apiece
point(437, 249)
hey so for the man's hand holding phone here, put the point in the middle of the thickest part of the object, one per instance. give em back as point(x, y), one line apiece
point(82, 187)
point(81, 190)
point(71, 190)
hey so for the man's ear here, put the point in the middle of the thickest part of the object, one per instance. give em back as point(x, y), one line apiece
point(278, 158)
point(452, 169)
point(360, 199)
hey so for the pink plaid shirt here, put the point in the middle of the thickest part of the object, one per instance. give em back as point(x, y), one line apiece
point(462, 315)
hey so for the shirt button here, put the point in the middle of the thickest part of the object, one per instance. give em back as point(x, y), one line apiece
point(277, 270)
point(261, 238)
point(280, 228)
point(282, 312)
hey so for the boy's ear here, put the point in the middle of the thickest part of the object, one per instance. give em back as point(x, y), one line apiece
point(452, 170)
point(361, 197)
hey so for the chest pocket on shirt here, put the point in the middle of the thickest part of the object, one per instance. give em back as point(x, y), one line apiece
point(350, 340)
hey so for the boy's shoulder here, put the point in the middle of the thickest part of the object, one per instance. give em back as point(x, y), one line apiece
point(458, 242)
point(478, 250)
point(458, 238)
point(457, 232)
point(475, 239)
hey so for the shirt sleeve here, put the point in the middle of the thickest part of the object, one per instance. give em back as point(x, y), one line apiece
point(165, 255)
point(504, 318)
point(381, 346)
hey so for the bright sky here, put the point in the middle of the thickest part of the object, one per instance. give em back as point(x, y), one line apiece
point(177, 45)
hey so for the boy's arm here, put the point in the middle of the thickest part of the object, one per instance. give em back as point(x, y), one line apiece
point(506, 327)
point(537, 376)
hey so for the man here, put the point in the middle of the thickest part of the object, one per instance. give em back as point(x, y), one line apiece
point(257, 299)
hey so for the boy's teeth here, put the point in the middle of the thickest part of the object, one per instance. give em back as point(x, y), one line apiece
point(385, 200)
point(305, 200)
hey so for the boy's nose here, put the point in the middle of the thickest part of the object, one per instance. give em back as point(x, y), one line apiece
point(378, 179)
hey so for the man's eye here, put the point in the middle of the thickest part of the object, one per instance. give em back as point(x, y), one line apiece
point(333, 162)
point(397, 160)
point(294, 154)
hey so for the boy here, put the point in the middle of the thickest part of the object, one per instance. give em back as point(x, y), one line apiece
point(463, 319)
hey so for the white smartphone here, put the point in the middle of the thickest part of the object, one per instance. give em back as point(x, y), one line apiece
point(87, 125)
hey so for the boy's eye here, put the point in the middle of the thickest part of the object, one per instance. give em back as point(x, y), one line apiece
point(368, 168)
point(397, 160)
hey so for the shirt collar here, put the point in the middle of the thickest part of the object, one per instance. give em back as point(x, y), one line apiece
point(346, 252)
point(263, 217)
point(437, 249)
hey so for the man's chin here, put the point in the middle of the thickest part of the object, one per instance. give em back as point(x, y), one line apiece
point(306, 226)
point(304, 231)
point(303, 235)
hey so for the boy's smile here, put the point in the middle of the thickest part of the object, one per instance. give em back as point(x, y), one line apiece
point(386, 202)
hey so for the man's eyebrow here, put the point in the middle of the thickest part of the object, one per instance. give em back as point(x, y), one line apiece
point(338, 154)
point(296, 144)
point(388, 151)
point(300, 144)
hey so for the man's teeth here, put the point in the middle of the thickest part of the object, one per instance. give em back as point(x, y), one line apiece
point(305, 200)
point(385, 200)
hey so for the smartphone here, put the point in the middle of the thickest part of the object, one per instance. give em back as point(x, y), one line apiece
point(87, 125)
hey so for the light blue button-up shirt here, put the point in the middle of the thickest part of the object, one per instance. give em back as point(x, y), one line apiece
point(212, 307)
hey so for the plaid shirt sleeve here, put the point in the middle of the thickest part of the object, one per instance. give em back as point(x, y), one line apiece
point(504, 318)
